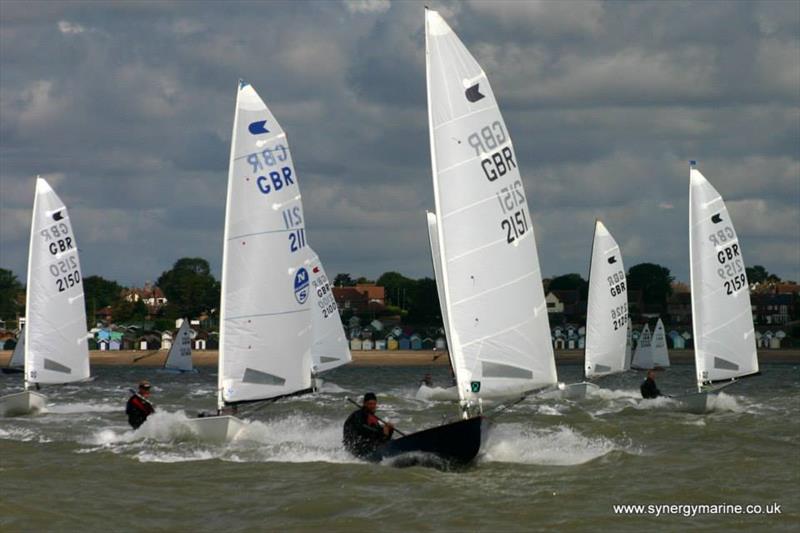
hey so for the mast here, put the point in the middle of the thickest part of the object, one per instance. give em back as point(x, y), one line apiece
point(226, 229)
point(453, 346)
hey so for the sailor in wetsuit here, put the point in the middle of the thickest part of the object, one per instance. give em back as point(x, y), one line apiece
point(363, 433)
point(139, 407)
point(648, 388)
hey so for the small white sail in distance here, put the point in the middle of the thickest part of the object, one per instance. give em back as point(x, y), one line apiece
point(56, 349)
point(607, 308)
point(658, 346)
point(643, 355)
point(18, 355)
point(722, 319)
point(180, 353)
point(265, 319)
point(329, 348)
point(498, 328)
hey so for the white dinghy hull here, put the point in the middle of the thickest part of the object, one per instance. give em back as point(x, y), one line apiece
point(216, 428)
point(696, 403)
point(576, 391)
point(22, 403)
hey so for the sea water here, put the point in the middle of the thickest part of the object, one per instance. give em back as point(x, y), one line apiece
point(547, 463)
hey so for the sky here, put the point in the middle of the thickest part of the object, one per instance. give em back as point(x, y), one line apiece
point(127, 108)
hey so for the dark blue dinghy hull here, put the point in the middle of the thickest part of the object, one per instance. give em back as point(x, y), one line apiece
point(451, 445)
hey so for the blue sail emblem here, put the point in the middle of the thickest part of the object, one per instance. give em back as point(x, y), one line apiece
point(301, 286)
point(258, 127)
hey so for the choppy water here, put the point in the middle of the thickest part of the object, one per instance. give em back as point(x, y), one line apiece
point(548, 464)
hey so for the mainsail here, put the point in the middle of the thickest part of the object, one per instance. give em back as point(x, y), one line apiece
point(643, 356)
point(56, 350)
point(607, 311)
point(180, 353)
point(265, 326)
point(658, 346)
point(329, 348)
point(724, 339)
point(498, 328)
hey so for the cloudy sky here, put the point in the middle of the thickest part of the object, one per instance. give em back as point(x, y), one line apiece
point(127, 109)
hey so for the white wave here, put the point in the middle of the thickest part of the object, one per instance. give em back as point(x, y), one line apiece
point(161, 426)
point(722, 402)
point(331, 388)
point(22, 435)
point(517, 443)
point(612, 394)
point(84, 407)
point(150, 456)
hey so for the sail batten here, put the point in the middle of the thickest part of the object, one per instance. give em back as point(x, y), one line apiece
point(488, 277)
point(722, 318)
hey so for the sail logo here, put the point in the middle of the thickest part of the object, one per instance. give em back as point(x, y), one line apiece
point(473, 93)
point(475, 386)
point(716, 219)
point(301, 286)
point(612, 259)
point(58, 216)
point(258, 127)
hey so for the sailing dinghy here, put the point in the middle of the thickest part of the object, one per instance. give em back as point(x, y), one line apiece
point(489, 281)
point(179, 358)
point(55, 347)
point(16, 365)
point(329, 346)
point(266, 319)
point(606, 314)
point(722, 319)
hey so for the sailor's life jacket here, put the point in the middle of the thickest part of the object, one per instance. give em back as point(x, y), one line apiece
point(138, 409)
point(363, 434)
point(649, 389)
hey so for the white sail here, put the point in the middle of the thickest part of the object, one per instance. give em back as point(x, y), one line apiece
point(18, 355)
point(329, 348)
point(643, 356)
point(180, 353)
point(607, 310)
point(265, 326)
point(56, 350)
point(499, 334)
point(658, 346)
point(724, 340)
point(628, 347)
point(433, 239)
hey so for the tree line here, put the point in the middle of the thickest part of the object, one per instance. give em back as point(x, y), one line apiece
point(191, 291)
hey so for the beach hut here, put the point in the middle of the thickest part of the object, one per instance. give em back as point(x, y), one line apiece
point(581, 342)
point(380, 344)
point(428, 344)
point(582, 331)
point(391, 343)
point(115, 345)
point(367, 345)
point(377, 325)
point(103, 345)
point(405, 343)
point(199, 344)
point(676, 340)
point(416, 342)
point(441, 343)
point(355, 344)
point(570, 344)
point(354, 322)
point(559, 343)
point(397, 331)
point(775, 343)
point(166, 340)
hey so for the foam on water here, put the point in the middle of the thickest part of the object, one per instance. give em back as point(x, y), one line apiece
point(612, 394)
point(560, 446)
point(22, 435)
point(83, 407)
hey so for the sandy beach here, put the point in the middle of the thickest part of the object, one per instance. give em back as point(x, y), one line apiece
point(378, 358)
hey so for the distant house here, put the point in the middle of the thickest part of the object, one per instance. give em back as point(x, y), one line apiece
point(150, 295)
point(391, 343)
point(348, 298)
point(771, 308)
point(416, 342)
point(376, 325)
point(374, 293)
point(676, 340)
point(554, 304)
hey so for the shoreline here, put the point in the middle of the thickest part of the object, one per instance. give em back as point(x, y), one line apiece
point(206, 358)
